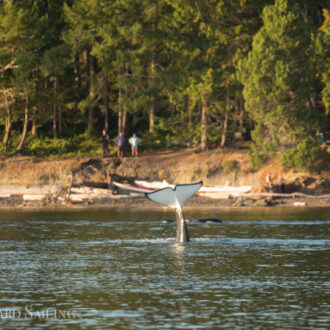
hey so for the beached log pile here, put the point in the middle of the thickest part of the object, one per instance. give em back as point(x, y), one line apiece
point(93, 194)
point(84, 193)
point(39, 196)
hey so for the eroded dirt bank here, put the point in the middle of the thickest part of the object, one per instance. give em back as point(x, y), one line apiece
point(214, 167)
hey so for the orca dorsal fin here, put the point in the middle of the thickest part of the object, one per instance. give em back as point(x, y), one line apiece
point(174, 197)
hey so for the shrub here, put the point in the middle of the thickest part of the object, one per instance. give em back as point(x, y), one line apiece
point(152, 141)
point(261, 148)
point(80, 145)
point(308, 155)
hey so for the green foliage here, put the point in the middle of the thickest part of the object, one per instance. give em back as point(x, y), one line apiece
point(278, 84)
point(308, 155)
point(322, 58)
point(258, 158)
point(87, 145)
point(171, 136)
point(262, 147)
point(47, 146)
point(176, 132)
point(81, 145)
point(152, 141)
point(83, 64)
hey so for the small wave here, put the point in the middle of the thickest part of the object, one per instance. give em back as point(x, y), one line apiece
point(168, 240)
point(278, 222)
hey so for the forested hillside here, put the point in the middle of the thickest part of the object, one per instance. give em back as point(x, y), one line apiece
point(176, 72)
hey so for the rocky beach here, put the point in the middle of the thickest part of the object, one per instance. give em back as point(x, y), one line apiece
point(27, 182)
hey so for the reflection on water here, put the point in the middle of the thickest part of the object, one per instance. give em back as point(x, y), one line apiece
point(266, 268)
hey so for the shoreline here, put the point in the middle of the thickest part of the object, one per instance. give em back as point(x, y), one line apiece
point(48, 184)
point(16, 203)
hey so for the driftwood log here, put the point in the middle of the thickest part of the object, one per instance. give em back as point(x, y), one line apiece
point(292, 195)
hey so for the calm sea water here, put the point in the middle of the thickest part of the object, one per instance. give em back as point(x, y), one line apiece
point(115, 269)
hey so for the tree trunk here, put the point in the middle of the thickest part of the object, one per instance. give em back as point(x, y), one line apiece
point(25, 127)
point(122, 115)
point(60, 121)
point(124, 121)
point(152, 117)
point(189, 107)
point(204, 124)
point(55, 110)
point(76, 70)
point(106, 104)
point(304, 11)
point(34, 112)
point(91, 110)
point(7, 130)
point(8, 124)
point(59, 109)
point(241, 116)
point(224, 132)
point(153, 104)
point(225, 124)
point(34, 121)
point(90, 64)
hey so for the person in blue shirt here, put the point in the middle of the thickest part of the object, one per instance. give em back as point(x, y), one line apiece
point(134, 141)
point(322, 138)
point(120, 141)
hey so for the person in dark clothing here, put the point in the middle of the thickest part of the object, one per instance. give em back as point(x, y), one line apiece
point(280, 183)
point(104, 143)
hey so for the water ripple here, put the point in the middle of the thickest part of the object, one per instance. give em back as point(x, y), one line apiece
point(109, 271)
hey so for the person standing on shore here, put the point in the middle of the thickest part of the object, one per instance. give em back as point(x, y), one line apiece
point(280, 183)
point(269, 181)
point(104, 143)
point(134, 141)
point(120, 141)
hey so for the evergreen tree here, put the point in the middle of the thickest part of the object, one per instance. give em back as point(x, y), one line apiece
point(207, 41)
point(82, 19)
point(20, 27)
point(323, 58)
point(278, 78)
point(198, 51)
point(32, 31)
point(167, 68)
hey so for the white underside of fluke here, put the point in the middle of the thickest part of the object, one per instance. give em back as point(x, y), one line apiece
point(174, 197)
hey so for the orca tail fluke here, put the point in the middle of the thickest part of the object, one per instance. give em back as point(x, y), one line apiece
point(174, 197)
